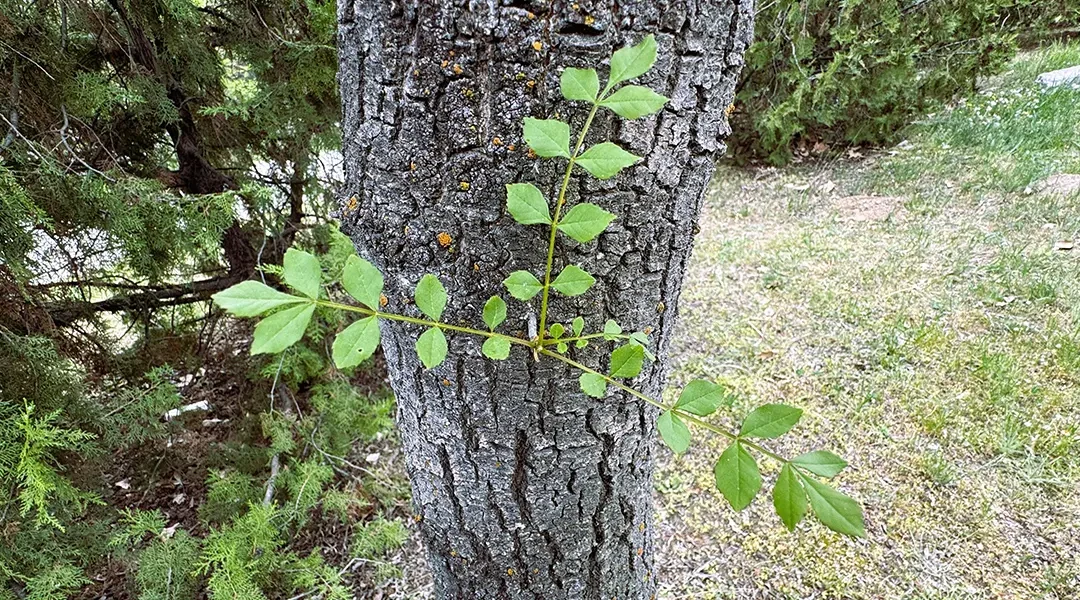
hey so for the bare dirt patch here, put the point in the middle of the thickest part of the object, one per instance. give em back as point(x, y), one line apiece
point(864, 208)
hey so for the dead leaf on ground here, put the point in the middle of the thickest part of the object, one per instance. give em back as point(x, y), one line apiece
point(1064, 245)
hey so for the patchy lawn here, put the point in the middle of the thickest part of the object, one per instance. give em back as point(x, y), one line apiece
point(923, 306)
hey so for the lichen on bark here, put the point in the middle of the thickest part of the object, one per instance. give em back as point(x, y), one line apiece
point(523, 486)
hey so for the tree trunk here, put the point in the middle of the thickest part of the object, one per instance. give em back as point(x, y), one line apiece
point(523, 486)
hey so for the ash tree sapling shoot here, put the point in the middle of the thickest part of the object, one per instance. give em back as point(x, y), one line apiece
point(799, 487)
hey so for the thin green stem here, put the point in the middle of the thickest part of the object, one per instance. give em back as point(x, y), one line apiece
point(425, 322)
point(558, 212)
point(591, 336)
point(682, 414)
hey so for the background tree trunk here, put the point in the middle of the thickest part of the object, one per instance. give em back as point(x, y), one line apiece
point(524, 487)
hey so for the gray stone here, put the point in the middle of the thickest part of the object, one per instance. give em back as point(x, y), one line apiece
point(1067, 76)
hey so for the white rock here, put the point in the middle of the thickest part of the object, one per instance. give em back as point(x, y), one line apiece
point(1060, 77)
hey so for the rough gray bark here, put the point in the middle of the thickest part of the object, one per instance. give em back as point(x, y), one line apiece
point(523, 486)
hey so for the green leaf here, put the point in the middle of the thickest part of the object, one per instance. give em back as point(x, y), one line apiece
point(579, 84)
point(281, 329)
point(301, 272)
point(557, 330)
point(611, 330)
point(356, 343)
point(789, 498)
point(634, 102)
point(573, 281)
point(548, 137)
point(605, 160)
point(836, 510)
point(626, 361)
point(628, 63)
point(526, 204)
point(701, 398)
point(562, 347)
point(820, 462)
point(431, 347)
point(585, 221)
point(737, 476)
point(522, 285)
point(497, 348)
point(494, 312)
point(770, 421)
point(673, 431)
point(431, 296)
point(581, 343)
point(593, 384)
point(252, 298)
point(363, 281)
point(577, 326)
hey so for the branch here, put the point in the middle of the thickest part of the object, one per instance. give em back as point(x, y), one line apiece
point(66, 314)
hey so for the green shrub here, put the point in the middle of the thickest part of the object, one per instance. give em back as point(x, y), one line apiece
point(855, 72)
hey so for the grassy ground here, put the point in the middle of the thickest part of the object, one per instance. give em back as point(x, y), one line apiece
point(922, 307)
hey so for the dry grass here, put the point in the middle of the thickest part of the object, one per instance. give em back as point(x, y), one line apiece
point(921, 311)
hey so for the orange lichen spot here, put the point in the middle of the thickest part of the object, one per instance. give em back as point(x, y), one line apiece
point(537, 45)
point(531, 153)
point(476, 266)
point(510, 572)
point(353, 204)
point(535, 571)
point(418, 518)
point(383, 300)
point(464, 186)
point(530, 15)
point(576, 6)
point(510, 147)
point(457, 69)
point(444, 64)
point(661, 307)
point(444, 239)
point(649, 330)
point(453, 553)
point(640, 551)
point(531, 83)
point(589, 20)
point(412, 166)
point(446, 382)
point(416, 72)
point(641, 527)
point(496, 141)
point(730, 109)
point(452, 53)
